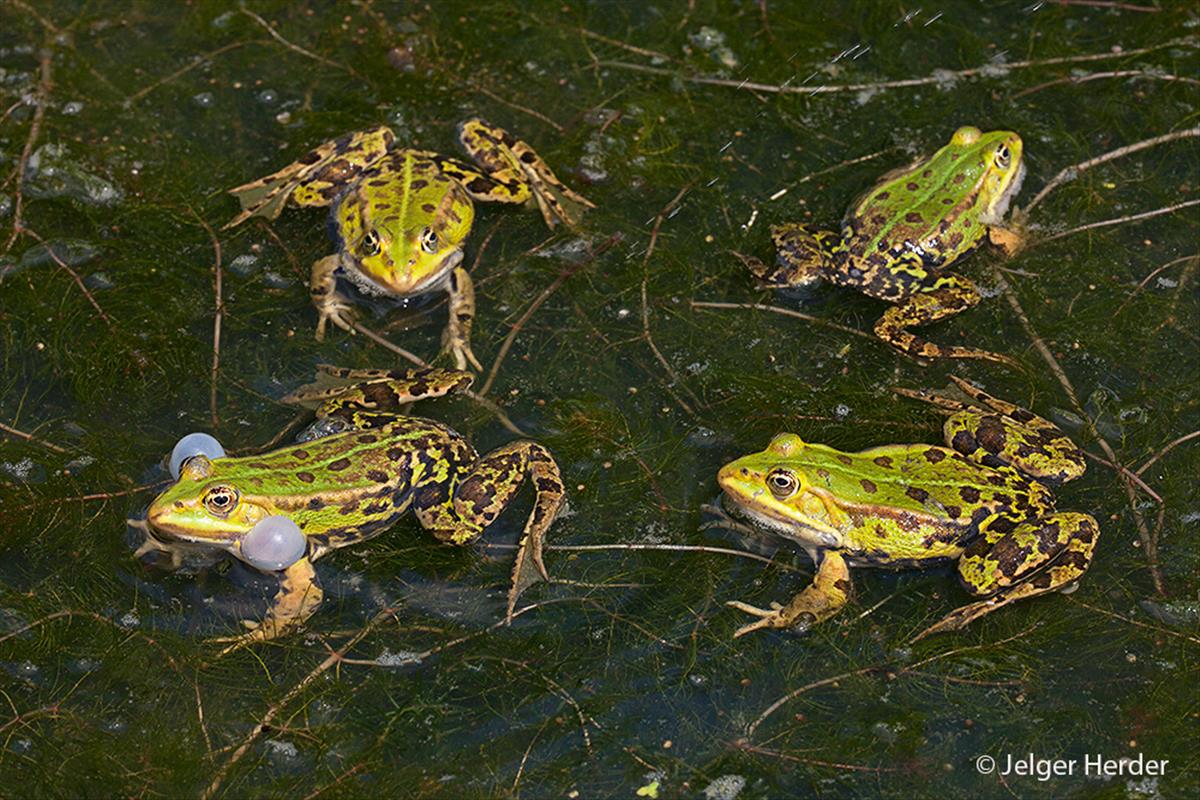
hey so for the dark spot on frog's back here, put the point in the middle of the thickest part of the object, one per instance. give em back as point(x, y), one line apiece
point(884, 461)
point(396, 453)
point(933, 455)
point(259, 465)
point(883, 195)
point(911, 186)
point(378, 475)
point(305, 477)
point(920, 495)
point(428, 208)
point(953, 512)
point(300, 454)
point(845, 459)
point(913, 216)
point(868, 486)
point(479, 185)
point(959, 178)
point(964, 442)
point(528, 157)
point(419, 183)
point(316, 504)
point(338, 465)
point(969, 493)
point(368, 438)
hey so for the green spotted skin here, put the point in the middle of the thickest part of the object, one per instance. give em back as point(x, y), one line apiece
point(984, 501)
point(356, 482)
point(897, 239)
point(400, 217)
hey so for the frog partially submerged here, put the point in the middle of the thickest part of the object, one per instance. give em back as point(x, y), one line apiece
point(399, 217)
point(898, 239)
point(369, 467)
point(983, 502)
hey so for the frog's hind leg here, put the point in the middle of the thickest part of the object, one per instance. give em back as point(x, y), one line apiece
point(1034, 558)
point(512, 173)
point(378, 390)
point(947, 296)
point(818, 602)
point(998, 433)
point(298, 599)
point(316, 178)
point(485, 491)
point(803, 256)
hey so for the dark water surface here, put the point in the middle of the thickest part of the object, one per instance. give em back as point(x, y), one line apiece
point(131, 121)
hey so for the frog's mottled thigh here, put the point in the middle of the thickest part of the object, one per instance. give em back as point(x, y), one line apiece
point(316, 178)
point(298, 598)
point(483, 493)
point(802, 257)
point(376, 390)
point(456, 338)
point(331, 304)
point(1012, 435)
point(1045, 555)
point(824, 597)
point(948, 296)
point(512, 172)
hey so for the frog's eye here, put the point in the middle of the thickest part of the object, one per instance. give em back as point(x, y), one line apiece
point(370, 243)
point(221, 500)
point(781, 483)
point(1003, 156)
point(429, 240)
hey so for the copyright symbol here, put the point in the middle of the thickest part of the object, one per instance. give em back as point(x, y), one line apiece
point(985, 765)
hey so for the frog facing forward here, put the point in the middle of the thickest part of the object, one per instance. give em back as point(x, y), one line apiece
point(984, 502)
point(399, 217)
point(897, 240)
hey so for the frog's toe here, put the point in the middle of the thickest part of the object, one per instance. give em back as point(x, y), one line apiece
point(339, 313)
point(768, 618)
point(957, 619)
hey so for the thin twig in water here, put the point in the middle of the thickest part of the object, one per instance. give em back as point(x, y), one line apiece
point(941, 77)
point(1146, 280)
point(787, 312)
point(41, 98)
point(295, 48)
point(1144, 535)
point(792, 695)
point(746, 747)
point(218, 316)
point(531, 112)
point(1167, 449)
point(1158, 212)
point(1125, 471)
point(29, 437)
point(1072, 172)
point(671, 373)
point(1095, 76)
point(641, 51)
point(545, 294)
point(333, 659)
point(678, 548)
point(1135, 622)
point(197, 61)
point(1109, 4)
point(74, 275)
point(780, 193)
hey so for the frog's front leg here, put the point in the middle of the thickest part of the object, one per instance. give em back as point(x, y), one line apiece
point(482, 494)
point(828, 592)
point(330, 303)
point(316, 178)
point(456, 339)
point(298, 598)
point(1046, 555)
point(513, 172)
point(949, 295)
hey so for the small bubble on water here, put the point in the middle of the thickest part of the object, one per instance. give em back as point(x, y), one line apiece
point(204, 99)
point(841, 411)
point(72, 107)
point(268, 97)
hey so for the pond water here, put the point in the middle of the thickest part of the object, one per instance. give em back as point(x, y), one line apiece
point(693, 127)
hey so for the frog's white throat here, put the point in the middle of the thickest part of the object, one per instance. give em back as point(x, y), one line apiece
point(996, 215)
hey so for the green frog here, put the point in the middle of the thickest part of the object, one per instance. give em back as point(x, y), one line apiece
point(983, 502)
point(368, 466)
point(399, 216)
point(898, 239)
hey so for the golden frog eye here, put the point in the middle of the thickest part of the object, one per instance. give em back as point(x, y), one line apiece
point(221, 500)
point(781, 483)
point(1003, 156)
point(370, 243)
point(429, 240)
